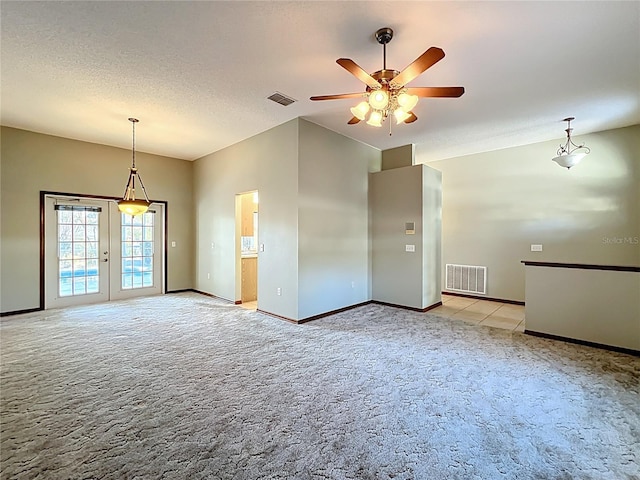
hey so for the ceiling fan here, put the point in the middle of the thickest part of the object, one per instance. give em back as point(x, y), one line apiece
point(386, 92)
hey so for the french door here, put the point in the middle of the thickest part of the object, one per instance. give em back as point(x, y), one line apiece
point(95, 253)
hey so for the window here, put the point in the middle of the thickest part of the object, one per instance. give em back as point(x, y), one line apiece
point(137, 250)
point(78, 262)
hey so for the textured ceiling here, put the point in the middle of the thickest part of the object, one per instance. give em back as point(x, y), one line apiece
point(197, 74)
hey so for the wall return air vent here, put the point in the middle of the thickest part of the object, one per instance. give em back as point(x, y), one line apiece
point(281, 99)
point(466, 278)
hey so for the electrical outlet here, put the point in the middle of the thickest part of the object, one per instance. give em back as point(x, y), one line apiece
point(409, 248)
point(536, 248)
point(173, 244)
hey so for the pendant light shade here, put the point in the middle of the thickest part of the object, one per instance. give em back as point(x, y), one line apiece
point(129, 204)
point(133, 207)
point(568, 161)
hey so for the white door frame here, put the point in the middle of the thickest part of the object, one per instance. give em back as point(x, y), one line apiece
point(117, 292)
point(53, 298)
point(110, 248)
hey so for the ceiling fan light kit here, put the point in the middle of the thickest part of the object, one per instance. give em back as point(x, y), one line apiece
point(375, 119)
point(407, 102)
point(129, 204)
point(401, 116)
point(379, 99)
point(566, 156)
point(386, 91)
point(360, 111)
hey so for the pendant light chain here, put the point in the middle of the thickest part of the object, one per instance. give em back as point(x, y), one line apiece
point(133, 141)
point(129, 204)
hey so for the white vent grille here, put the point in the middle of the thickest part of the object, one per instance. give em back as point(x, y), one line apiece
point(281, 99)
point(466, 278)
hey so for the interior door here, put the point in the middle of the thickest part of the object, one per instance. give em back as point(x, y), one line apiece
point(76, 251)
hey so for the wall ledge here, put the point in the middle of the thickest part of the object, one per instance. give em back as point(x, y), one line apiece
point(582, 266)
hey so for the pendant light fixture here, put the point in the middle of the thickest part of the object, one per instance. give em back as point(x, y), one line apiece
point(566, 156)
point(129, 204)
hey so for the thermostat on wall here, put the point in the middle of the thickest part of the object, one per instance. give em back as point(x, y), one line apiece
point(410, 228)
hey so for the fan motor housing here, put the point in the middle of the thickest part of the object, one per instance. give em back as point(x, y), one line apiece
point(384, 76)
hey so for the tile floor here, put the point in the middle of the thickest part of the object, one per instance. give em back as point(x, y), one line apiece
point(250, 305)
point(482, 312)
point(470, 310)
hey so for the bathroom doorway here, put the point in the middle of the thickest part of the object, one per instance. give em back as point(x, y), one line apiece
point(247, 223)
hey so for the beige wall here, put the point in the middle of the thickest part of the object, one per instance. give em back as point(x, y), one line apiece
point(599, 306)
point(313, 222)
point(496, 204)
point(33, 162)
point(398, 157)
point(267, 162)
point(333, 238)
point(431, 236)
point(398, 196)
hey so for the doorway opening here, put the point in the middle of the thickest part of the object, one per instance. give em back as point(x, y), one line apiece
point(247, 249)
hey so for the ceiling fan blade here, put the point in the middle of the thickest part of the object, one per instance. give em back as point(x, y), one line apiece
point(436, 91)
point(412, 118)
point(338, 97)
point(353, 121)
point(419, 65)
point(353, 68)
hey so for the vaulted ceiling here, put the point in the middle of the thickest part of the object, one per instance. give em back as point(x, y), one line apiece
point(198, 73)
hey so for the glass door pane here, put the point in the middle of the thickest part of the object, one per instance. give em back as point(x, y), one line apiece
point(78, 246)
point(76, 251)
point(138, 246)
point(137, 250)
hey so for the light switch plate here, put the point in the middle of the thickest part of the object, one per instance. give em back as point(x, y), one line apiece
point(536, 247)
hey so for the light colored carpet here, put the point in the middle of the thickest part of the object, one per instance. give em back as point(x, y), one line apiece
point(185, 386)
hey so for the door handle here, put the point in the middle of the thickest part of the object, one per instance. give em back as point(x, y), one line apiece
point(105, 260)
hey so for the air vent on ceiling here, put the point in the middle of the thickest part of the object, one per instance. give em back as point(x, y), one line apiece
point(281, 99)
